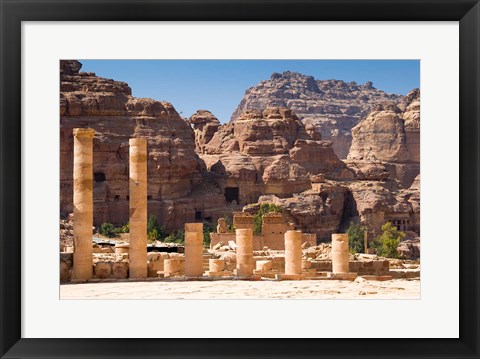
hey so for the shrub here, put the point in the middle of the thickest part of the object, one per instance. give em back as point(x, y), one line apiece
point(356, 234)
point(154, 230)
point(386, 244)
point(229, 222)
point(108, 230)
point(175, 237)
point(257, 218)
point(206, 234)
point(152, 236)
point(125, 228)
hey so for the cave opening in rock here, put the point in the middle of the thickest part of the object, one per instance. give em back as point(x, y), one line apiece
point(231, 194)
point(99, 177)
point(198, 215)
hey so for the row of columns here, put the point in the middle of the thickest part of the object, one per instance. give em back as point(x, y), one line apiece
point(83, 222)
point(83, 205)
point(293, 252)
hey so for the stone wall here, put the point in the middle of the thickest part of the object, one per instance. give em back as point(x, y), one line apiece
point(275, 241)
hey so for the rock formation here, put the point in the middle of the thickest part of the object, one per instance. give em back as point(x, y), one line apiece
point(200, 170)
point(332, 106)
point(205, 124)
point(269, 152)
point(388, 140)
point(174, 169)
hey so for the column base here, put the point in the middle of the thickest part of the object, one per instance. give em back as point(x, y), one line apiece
point(343, 276)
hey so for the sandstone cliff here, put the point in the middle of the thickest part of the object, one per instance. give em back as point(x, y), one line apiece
point(332, 106)
point(174, 169)
point(389, 138)
point(200, 170)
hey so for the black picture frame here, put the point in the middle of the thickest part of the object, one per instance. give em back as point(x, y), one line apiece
point(13, 12)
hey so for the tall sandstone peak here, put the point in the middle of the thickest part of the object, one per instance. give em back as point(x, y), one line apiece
point(333, 107)
point(389, 137)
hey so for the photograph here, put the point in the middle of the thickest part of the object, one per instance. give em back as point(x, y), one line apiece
point(239, 179)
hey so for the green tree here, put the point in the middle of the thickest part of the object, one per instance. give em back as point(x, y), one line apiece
point(175, 237)
point(386, 244)
point(207, 228)
point(125, 228)
point(257, 218)
point(154, 230)
point(108, 230)
point(356, 238)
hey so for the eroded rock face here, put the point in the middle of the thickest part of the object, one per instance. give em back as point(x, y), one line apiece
point(174, 169)
point(332, 106)
point(270, 152)
point(205, 124)
point(388, 137)
point(377, 202)
point(210, 170)
point(319, 210)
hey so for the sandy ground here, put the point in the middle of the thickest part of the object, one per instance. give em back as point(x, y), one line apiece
point(236, 289)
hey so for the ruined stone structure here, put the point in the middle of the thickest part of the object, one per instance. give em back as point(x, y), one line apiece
point(83, 203)
point(340, 253)
point(244, 241)
point(293, 252)
point(267, 154)
point(222, 226)
point(242, 220)
point(138, 208)
point(274, 228)
point(193, 249)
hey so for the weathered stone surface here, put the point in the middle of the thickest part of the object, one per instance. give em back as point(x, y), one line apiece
point(267, 155)
point(103, 270)
point(409, 248)
point(332, 106)
point(389, 137)
point(120, 270)
point(205, 124)
point(318, 211)
point(174, 169)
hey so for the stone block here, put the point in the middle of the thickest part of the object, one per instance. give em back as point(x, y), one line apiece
point(343, 276)
point(103, 270)
point(264, 265)
point(120, 270)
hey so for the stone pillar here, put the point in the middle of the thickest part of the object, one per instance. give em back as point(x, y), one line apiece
point(138, 208)
point(244, 242)
point(193, 249)
point(340, 253)
point(293, 252)
point(216, 265)
point(82, 203)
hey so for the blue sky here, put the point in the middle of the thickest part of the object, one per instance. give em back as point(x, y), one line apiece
point(219, 85)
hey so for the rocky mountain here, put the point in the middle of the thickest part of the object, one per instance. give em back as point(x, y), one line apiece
point(200, 170)
point(389, 139)
point(333, 107)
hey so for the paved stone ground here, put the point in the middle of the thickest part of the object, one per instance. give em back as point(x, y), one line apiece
point(230, 289)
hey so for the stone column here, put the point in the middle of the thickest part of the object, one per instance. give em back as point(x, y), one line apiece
point(193, 249)
point(244, 242)
point(340, 253)
point(293, 252)
point(82, 203)
point(138, 208)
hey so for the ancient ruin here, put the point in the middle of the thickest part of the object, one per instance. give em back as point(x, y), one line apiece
point(83, 203)
point(124, 159)
point(138, 208)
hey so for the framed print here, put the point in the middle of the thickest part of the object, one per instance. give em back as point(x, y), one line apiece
point(283, 137)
